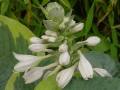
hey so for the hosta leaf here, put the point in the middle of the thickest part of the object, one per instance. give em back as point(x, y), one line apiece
point(13, 37)
point(11, 81)
point(101, 60)
point(94, 84)
point(48, 84)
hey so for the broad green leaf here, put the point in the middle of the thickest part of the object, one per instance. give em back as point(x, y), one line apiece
point(48, 84)
point(99, 60)
point(96, 83)
point(11, 81)
point(13, 38)
point(4, 6)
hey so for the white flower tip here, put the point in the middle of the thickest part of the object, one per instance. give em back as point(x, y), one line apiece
point(93, 41)
point(51, 33)
point(37, 47)
point(64, 77)
point(64, 58)
point(35, 40)
point(33, 75)
point(85, 67)
point(102, 72)
point(49, 38)
point(63, 47)
point(78, 27)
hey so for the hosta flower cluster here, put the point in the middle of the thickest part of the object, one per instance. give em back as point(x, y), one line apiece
point(58, 43)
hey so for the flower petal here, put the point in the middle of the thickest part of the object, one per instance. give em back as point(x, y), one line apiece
point(23, 66)
point(78, 27)
point(93, 41)
point(102, 72)
point(37, 47)
point(64, 77)
point(36, 40)
point(33, 75)
point(22, 57)
point(85, 67)
point(63, 47)
point(64, 58)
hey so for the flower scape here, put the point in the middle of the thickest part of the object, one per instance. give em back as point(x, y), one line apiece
point(58, 43)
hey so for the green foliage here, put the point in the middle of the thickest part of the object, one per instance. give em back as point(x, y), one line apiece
point(12, 34)
point(94, 84)
point(48, 84)
point(101, 60)
point(101, 17)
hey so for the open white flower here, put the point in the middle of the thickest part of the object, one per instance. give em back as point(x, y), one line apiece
point(34, 74)
point(37, 47)
point(36, 40)
point(93, 41)
point(25, 62)
point(78, 27)
point(102, 72)
point(64, 77)
point(63, 47)
point(85, 67)
point(64, 58)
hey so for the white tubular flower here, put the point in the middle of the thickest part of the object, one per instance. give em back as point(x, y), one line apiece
point(102, 72)
point(64, 58)
point(64, 77)
point(77, 27)
point(34, 74)
point(37, 47)
point(36, 40)
point(51, 33)
point(63, 47)
point(49, 38)
point(93, 41)
point(85, 67)
point(25, 62)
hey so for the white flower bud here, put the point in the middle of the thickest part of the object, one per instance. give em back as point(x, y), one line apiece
point(64, 77)
point(49, 38)
point(63, 47)
point(33, 75)
point(64, 58)
point(51, 33)
point(36, 40)
point(93, 41)
point(102, 72)
point(85, 67)
point(37, 47)
point(77, 27)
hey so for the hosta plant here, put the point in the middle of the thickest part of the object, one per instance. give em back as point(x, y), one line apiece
point(61, 45)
